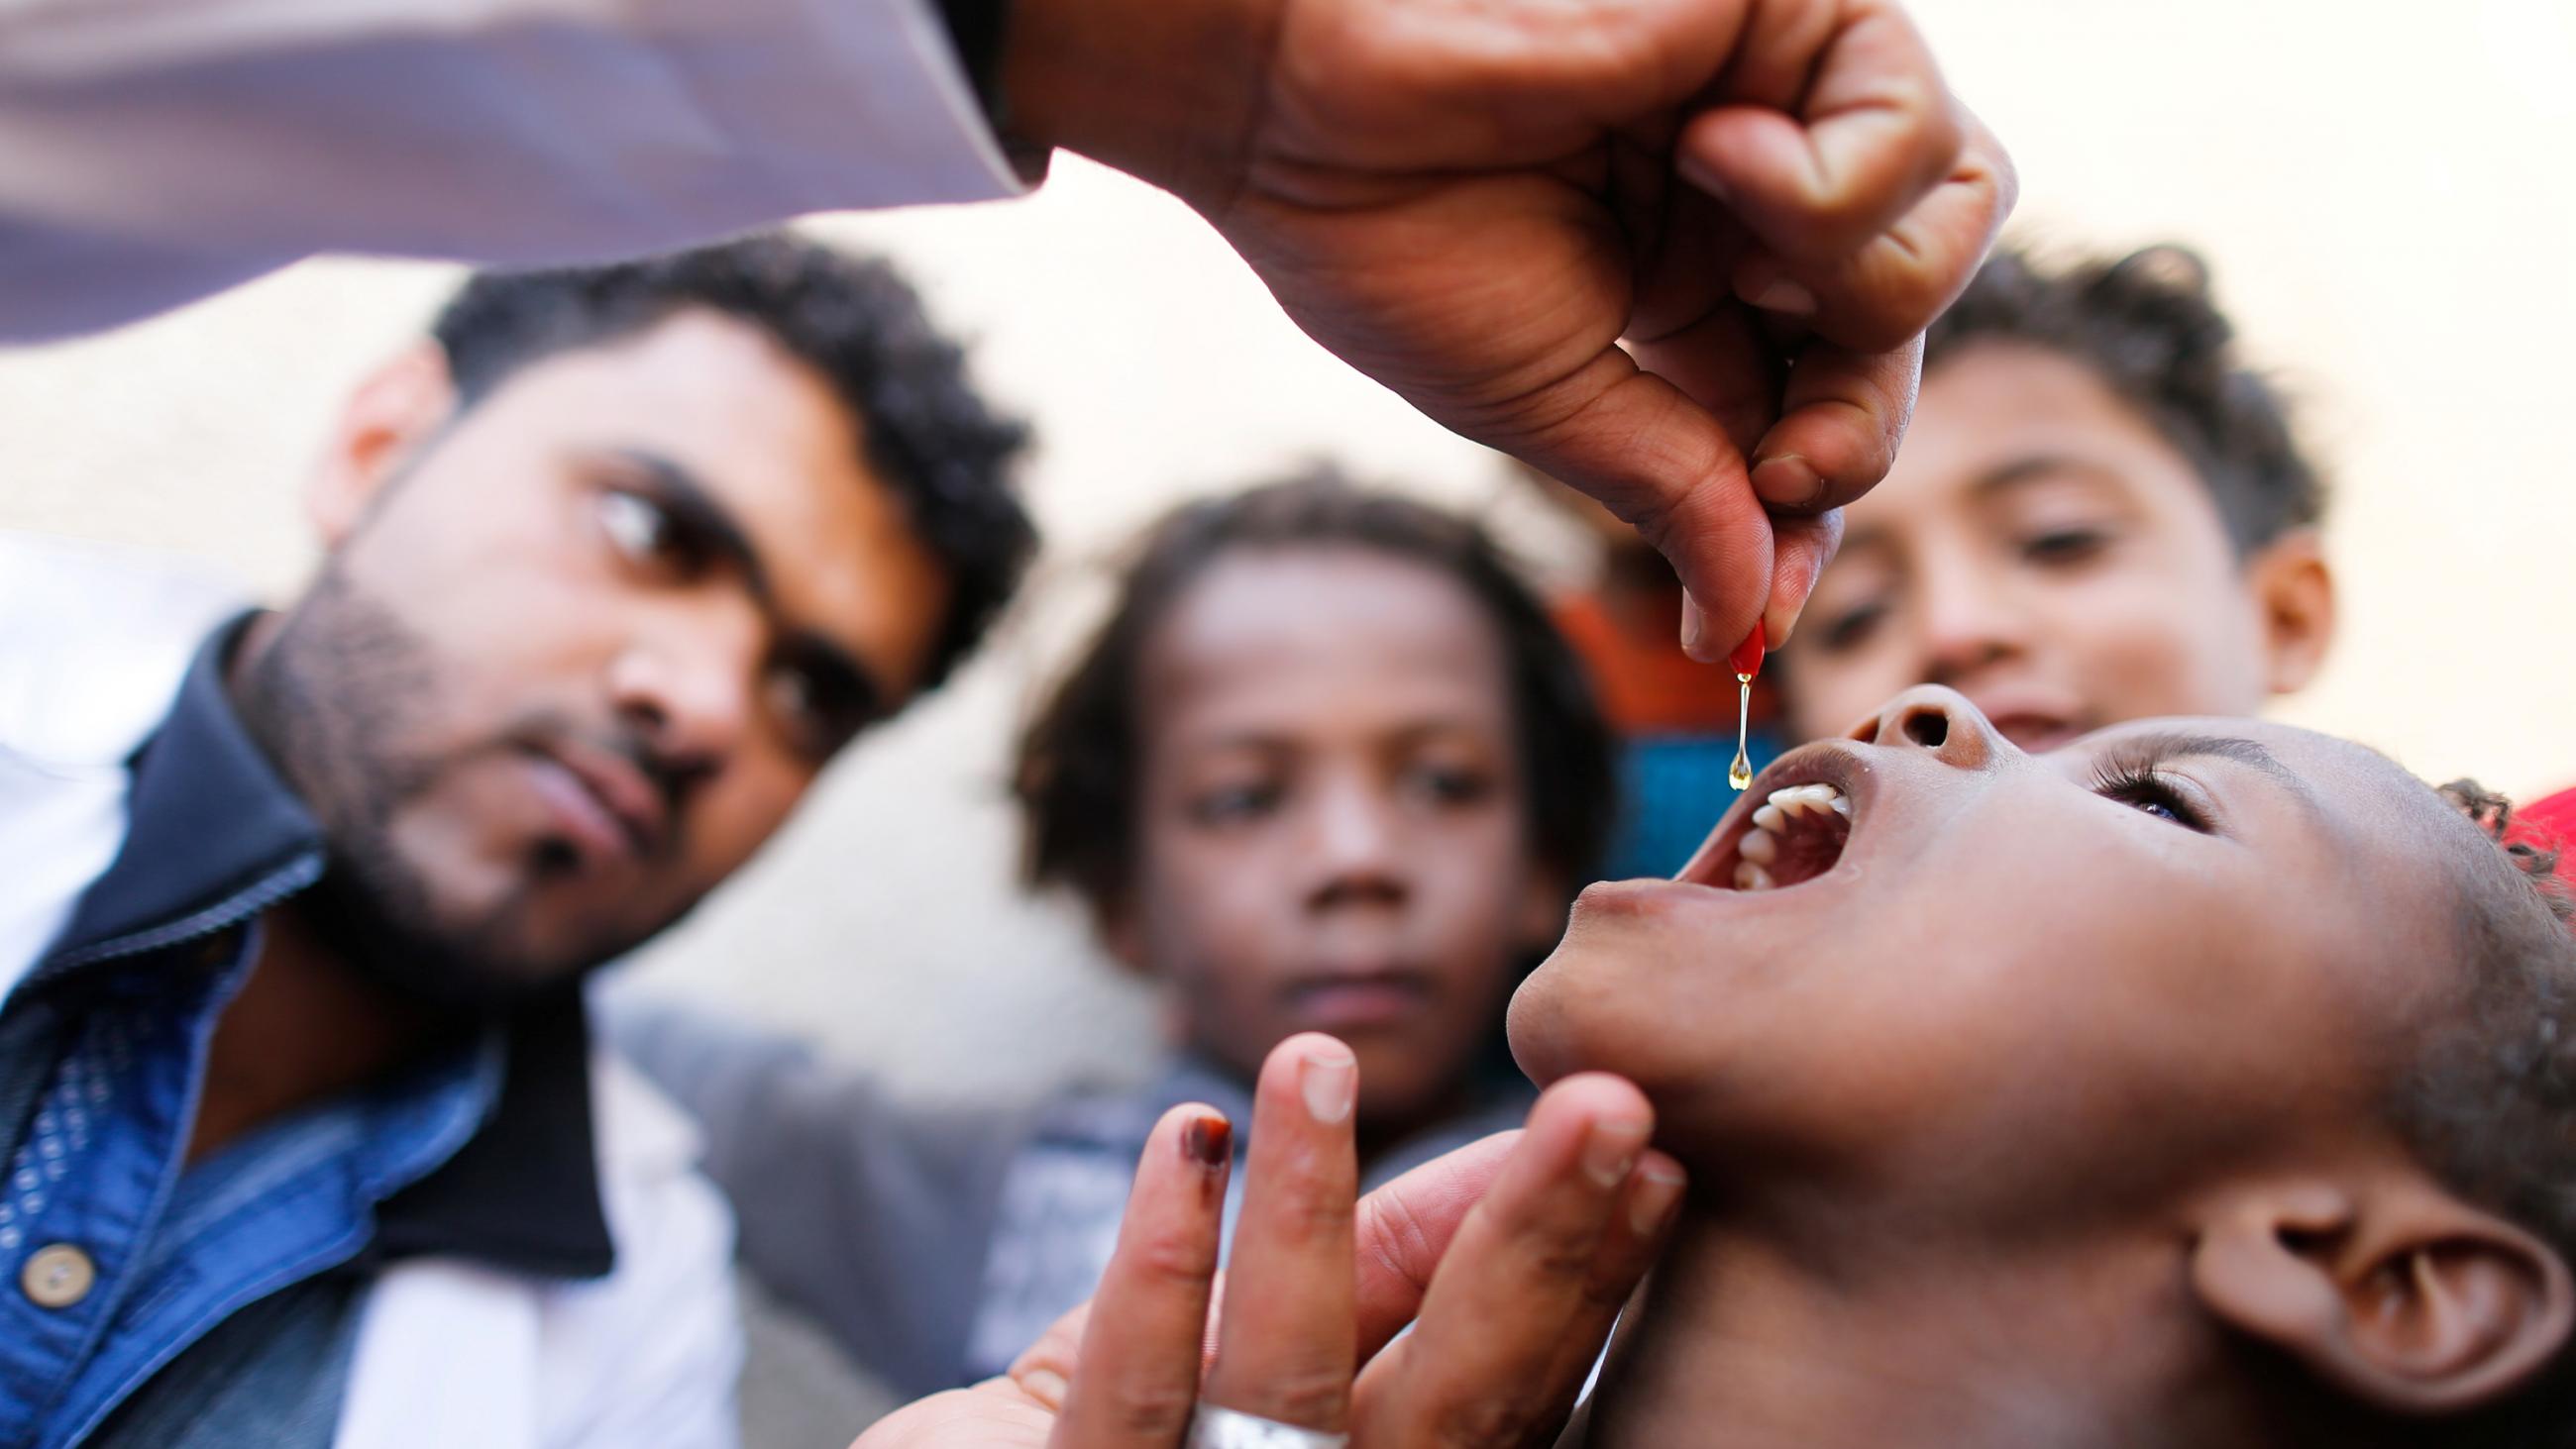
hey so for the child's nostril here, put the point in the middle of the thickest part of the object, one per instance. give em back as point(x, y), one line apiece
point(1927, 727)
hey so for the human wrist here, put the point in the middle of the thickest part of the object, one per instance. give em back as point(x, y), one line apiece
point(1165, 90)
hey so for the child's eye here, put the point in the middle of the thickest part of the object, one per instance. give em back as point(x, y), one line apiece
point(1450, 786)
point(2064, 545)
point(2148, 793)
point(1234, 804)
point(1851, 628)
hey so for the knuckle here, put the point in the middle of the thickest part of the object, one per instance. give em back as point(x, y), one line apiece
point(1313, 1396)
point(1481, 1421)
point(1393, 1233)
point(1182, 1261)
point(1149, 1411)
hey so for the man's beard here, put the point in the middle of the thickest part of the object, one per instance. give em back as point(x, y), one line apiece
point(330, 701)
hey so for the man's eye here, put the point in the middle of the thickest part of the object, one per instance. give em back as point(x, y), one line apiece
point(646, 534)
point(791, 697)
point(2059, 546)
point(821, 717)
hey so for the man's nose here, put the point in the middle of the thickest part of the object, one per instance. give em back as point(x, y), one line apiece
point(689, 694)
point(1937, 719)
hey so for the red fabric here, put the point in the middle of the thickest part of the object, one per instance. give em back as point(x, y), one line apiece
point(1647, 685)
point(2550, 824)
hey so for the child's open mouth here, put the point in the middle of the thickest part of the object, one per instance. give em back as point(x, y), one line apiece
point(1796, 836)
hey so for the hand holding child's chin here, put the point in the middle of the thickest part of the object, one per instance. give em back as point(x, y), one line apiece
point(1509, 1259)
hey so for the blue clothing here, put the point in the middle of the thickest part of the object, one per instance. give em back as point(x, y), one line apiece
point(144, 1258)
point(1672, 789)
point(936, 1242)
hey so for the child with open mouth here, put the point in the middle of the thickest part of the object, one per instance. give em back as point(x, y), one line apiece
point(2200, 1082)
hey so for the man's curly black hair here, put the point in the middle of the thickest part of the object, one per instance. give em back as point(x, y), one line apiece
point(2146, 325)
point(935, 442)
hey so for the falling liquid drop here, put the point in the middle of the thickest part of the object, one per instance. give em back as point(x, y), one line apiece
point(1740, 773)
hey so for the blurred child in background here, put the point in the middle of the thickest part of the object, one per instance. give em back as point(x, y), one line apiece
point(2100, 513)
point(1326, 767)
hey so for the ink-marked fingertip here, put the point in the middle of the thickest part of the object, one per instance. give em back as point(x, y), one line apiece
point(1208, 1140)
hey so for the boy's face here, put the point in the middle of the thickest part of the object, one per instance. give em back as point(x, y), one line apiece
point(2038, 547)
point(1333, 824)
point(2022, 980)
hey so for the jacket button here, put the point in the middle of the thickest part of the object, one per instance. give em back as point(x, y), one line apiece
point(57, 1276)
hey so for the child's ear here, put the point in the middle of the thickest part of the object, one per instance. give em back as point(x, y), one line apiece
point(2294, 591)
point(400, 406)
point(2397, 1294)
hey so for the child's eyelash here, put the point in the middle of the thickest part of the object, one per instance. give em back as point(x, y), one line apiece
point(2136, 782)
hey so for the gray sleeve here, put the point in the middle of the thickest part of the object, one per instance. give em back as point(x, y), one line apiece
point(871, 1215)
point(152, 150)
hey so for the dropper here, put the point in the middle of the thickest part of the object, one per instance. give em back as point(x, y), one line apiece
point(1746, 661)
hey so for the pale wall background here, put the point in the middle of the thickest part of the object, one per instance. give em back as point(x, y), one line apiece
point(2387, 192)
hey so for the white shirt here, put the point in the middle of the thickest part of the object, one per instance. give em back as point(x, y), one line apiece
point(155, 150)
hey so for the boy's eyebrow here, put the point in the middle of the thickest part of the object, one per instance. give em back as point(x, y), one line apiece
point(2176, 744)
point(2032, 467)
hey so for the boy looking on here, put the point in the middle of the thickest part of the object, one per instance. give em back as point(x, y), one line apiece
point(2099, 514)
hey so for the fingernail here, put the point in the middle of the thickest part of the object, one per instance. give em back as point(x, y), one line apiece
point(1789, 481)
point(1611, 1149)
point(1330, 1085)
point(1044, 1385)
point(1701, 175)
point(1208, 1141)
point(1694, 626)
point(1659, 1192)
point(1784, 296)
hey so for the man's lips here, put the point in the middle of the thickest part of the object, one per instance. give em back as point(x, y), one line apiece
point(600, 800)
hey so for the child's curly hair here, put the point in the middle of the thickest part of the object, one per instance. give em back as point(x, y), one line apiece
point(2491, 1101)
point(2148, 327)
point(2493, 813)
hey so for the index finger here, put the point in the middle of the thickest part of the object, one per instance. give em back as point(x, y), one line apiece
point(1285, 1347)
point(1892, 286)
point(1136, 1378)
point(1665, 465)
point(1873, 131)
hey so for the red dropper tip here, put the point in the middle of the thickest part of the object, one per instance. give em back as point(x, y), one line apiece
point(1747, 656)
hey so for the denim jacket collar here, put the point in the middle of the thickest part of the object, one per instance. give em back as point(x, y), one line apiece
point(215, 836)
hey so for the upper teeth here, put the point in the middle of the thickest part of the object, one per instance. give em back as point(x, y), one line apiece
point(1761, 844)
